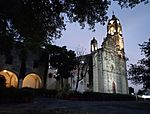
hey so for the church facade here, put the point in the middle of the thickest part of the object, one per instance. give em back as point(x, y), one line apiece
point(107, 66)
point(105, 69)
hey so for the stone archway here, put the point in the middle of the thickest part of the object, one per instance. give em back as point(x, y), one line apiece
point(114, 87)
point(11, 78)
point(32, 81)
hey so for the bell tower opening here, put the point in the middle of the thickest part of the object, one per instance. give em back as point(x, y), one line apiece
point(94, 45)
point(114, 33)
point(114, 87)
point(114, 26)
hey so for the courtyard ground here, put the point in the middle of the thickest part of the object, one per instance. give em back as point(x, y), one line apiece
point(55, 106)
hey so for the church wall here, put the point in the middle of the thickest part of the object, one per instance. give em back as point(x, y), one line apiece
point(95, 73)
point(100, 71)
point(118, 74)
point(107, 74)
point(121, 74)
point(51, 82)
point(124, 78)
point(113, 75)
point(15, 64)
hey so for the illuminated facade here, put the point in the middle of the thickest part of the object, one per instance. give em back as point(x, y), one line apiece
point(109, 62)
point(107, 70)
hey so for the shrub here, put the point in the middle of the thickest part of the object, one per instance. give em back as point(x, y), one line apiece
point(13, 95)
point(45, 93)
point(95, 96)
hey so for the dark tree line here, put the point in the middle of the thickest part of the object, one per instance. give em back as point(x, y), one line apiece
point(36, 22)
point(140, 73)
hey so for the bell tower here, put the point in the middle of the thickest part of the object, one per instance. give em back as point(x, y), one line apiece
point(114, 39)
point(94, 45)
point(113, 59)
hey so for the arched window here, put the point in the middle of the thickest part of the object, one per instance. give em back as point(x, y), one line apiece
point(11, 78)
point(32, 81)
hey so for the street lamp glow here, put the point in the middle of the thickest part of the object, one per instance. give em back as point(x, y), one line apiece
point(82, 62)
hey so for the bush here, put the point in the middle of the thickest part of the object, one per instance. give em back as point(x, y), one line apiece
point(95, 96)
point(45, 93)
point(13, 95)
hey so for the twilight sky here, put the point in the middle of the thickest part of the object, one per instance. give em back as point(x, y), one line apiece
point(135, 27)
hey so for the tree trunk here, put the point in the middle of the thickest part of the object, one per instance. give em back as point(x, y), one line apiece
point(22, 69)
point(78, 76)
point(23, 58)
point(61, 81)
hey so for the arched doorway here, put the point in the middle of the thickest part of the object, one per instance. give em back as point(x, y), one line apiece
point(114, 87)
point(32, 80)
point(11, 78)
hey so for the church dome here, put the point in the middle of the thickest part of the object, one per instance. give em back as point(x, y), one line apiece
point(114, 26)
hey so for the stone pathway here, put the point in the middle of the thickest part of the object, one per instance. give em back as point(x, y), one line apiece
point(53, 106)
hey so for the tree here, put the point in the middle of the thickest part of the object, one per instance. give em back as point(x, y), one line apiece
point(62, 60)
point(81, 66)
point(131, 90)
point(2, 81)
point(140, 73)
point(38, 22)
point(23, 59)
point(140, 92)
point(82, 69)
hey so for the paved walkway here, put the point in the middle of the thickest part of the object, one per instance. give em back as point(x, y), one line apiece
point(50, 106)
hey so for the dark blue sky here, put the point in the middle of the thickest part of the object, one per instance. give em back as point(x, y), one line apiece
point(136, 29)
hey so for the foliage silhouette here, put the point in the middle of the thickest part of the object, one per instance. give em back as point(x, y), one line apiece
point(38, 22)
point(140, 73)
point(63, 60)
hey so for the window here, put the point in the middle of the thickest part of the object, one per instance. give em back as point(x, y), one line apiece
point(112, 68)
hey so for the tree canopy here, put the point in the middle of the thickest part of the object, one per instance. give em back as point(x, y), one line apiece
point(40, 21)
point(140, 73)
point(62, 59)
